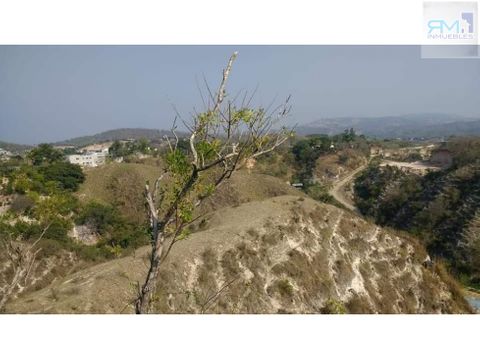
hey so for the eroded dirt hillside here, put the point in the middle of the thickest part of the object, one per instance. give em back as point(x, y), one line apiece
point(286, 254)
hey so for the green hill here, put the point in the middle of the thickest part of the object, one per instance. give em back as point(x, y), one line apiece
point(117, 134)
point(14, 148)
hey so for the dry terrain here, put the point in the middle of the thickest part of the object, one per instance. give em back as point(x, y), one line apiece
point(285, 254)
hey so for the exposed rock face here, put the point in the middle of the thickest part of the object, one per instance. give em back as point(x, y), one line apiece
point(315, 257)
point(284, 254)
point(84, 234)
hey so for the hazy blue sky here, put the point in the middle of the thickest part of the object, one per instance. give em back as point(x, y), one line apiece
point(50, 93)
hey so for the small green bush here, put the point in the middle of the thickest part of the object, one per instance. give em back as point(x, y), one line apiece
point(67, 176)
point(22, 203)
point(333, 307)
point(284, 288)
point(319, 192)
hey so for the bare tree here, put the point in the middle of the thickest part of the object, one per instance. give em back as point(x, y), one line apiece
point(222, 139)
point(21, 255)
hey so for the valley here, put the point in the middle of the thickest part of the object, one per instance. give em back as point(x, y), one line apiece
point(258, 245)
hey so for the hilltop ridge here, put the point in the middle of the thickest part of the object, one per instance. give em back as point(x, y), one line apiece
point(404, 126)
point(117, 134)
point(282, 254)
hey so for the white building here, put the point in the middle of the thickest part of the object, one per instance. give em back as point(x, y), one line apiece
point(92, 159)
point(5, 154)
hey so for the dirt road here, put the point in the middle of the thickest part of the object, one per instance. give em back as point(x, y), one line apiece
point(338, 189)
point(338, 192)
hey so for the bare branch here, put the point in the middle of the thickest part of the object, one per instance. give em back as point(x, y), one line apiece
point(193, 150)
point(174, 127)
point(277, 143)
point(223, 84)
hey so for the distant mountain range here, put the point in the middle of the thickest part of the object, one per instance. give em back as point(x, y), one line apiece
point(405, 127)
point(14, 148)
point(118, 134)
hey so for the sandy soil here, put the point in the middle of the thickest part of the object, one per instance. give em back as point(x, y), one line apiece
point(411, 165)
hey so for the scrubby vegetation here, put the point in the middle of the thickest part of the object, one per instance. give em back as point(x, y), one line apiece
point(42, 188)
point(117, 134)
point(308, 150)
point(116, 232)
point(280, 164)
point(67, 176)
point(247, 277)
point(122, 149)
point(315, 155)
point(442, 208)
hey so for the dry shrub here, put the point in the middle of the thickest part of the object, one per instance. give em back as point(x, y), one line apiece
point(21, 203)
point(229, 264)
point(440, 269)
point(271, 238)
point(358, 304)
point(209, 258)
point(253, 233)
point(333, 306)
point(126, 188)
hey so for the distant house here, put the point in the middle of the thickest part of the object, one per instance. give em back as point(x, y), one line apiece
point(91, 156)
point(64, 147)
point(96, 148)
point(5, 154)
point(441, 157)
point(92, 159)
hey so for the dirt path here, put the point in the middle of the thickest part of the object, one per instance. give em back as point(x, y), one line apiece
point(337, 190)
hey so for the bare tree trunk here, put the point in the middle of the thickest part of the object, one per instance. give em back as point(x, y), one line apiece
point(143, 301)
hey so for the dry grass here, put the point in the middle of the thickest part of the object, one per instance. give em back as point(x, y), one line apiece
point(269, 276)
point(457, 293)
point(229, 264)
point(98, 180)
point(245, 187)
point(358, 304)
point(253, 233)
